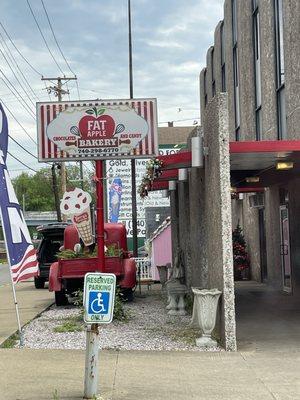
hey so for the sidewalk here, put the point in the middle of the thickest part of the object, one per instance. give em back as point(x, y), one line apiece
point(39, 374)
point(31, 302)
point(261, 370)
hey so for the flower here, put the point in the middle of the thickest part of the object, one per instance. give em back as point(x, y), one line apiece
point(153, 170)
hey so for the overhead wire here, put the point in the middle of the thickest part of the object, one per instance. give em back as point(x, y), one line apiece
point(180, 120)
point(44, 39)
point(48, 91)
point(14, 140)
point(27, 151)
point(17, 79)
point(21, 162)
point(68, 91)
point(55, 39)
point(12, 57)
point(18, 51)
point(27, 107)
point(59, 47)
point(22, 127)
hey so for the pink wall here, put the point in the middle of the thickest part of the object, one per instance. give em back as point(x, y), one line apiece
point(161, 251)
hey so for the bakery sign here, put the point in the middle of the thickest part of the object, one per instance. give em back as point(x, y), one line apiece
point(97, 129)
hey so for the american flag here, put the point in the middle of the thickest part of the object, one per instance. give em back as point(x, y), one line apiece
point(21, 253)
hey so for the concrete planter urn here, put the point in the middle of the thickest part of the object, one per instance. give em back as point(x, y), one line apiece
point(163, 273)
point(176, 292)
point(204, 314)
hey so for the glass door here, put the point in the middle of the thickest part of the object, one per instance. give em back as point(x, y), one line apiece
point(285, 249)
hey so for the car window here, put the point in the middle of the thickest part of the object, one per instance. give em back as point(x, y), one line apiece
point(48, 250)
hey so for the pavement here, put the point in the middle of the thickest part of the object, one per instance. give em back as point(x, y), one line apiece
point(31, 302)
point(56, 374)
point(4, 274)
point(255, 372)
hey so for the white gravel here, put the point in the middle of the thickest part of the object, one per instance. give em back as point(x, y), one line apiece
point(148, 328)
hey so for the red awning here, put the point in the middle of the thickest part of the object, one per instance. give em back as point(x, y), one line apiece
point(182, 159)
point(247, 159)
point(260, 155)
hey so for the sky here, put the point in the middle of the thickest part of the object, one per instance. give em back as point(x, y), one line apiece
point(170, 39)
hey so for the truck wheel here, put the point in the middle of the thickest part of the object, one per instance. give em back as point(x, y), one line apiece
point(61, 298)
point(39, 283)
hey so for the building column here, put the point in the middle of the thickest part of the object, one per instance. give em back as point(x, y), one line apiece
point(184, 228)
point(218, 215)
point(174, 222)
point(197, 228)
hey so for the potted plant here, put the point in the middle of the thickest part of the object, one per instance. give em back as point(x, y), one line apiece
point(241, 259)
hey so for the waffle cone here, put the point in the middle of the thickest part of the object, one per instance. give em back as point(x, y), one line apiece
point(83, 223)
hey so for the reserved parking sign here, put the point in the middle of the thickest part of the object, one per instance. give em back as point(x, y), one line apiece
point(99, 297)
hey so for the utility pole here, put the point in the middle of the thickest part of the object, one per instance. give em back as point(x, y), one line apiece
point(55, 191)
point(81, 174)
point(59, 92)
point(133, 172)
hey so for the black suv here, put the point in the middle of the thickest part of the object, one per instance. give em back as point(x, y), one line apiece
point(52, 238)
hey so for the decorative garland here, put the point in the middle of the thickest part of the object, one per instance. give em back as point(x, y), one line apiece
point(153, 170)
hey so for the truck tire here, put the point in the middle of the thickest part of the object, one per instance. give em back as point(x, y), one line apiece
point(61, 298)
point(39, 283)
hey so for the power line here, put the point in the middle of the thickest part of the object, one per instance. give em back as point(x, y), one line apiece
point(78, 89)
point(59, 48)
point(68, 91)
point(27, 108)
point(4, 45)
point(18, 122)
point(45, 41)
point(16, 158)
point(18, 51)
point(181, 120)
point(27, 151)
point(17, 79)
point(55, 39)
point(48, 91)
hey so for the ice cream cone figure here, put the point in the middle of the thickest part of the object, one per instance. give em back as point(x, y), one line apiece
point(76, 205)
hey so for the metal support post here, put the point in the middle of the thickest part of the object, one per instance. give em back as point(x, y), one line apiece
point(133, 173)
point(100, 215)
point(58, 92)
point(91, 362)
point(55, 191)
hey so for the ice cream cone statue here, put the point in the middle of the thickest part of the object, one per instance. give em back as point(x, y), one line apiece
point(76, 205)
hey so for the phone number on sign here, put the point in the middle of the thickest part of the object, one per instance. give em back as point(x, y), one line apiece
point(101, 150)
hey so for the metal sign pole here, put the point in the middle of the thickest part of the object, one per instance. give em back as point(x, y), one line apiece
point(92, 332)
point(91, 362)
point(100, 214)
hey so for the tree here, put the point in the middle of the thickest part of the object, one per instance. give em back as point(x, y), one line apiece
point(35, 192)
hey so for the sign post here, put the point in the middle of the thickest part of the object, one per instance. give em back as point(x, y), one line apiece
point(97, 130)
point(99, 298)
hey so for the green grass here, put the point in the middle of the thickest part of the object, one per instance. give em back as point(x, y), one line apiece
point(185, 335)
point(10, 342)
point(55, 395)
point(70, 324)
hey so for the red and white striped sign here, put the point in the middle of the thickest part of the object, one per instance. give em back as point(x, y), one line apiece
point(103, 129)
